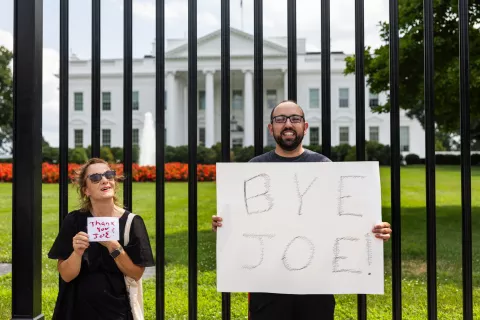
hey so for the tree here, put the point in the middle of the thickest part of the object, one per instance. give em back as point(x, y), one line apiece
point(446, 60)
point(6, 101)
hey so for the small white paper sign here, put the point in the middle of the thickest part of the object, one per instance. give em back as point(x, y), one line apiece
point(299, 228)
point(103, 229)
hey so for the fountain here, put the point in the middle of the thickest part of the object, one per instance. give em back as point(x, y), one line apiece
point(147, 142)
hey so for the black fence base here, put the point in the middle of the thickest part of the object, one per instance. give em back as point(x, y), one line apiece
point(39, 317)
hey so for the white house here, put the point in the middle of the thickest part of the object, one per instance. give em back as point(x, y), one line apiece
point(209, 96)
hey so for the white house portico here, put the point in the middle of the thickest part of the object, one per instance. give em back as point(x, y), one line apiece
point(241, 95)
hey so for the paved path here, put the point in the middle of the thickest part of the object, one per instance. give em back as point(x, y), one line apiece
point(149, 272)
point(7, 268)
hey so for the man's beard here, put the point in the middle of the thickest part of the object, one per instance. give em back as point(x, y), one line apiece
point(288, 145)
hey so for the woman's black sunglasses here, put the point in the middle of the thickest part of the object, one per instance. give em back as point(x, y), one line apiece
point(96, 177)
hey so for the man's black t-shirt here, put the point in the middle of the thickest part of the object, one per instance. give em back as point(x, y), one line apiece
point(266, 306)
point(306, 156)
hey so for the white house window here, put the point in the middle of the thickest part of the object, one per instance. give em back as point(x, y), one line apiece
point(404, 138)
point(135, 100)
point(314, 136)
point(237, 142)
point(237, 101)
point(201, 100)
point(106, 101)
point(106, 137)
point(201, 136)
point(270, 140)
point(374, 134)
point(344, 135)
point(373, 100)
point(271, 98)
point(135, 137)
point(343, 97)
point(78, 138)
point(314, 98)
point(78, 101)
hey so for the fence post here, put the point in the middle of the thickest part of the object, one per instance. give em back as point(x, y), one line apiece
point(466, 161)
point(430, 159)
point(160, 158)
point(225, 111)
point(395, 162)
point(27, 167)
point(192, 159)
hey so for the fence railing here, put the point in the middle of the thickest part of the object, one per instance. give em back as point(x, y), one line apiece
point(27, 188)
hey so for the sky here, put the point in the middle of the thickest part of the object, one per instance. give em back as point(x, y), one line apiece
point(176, 26)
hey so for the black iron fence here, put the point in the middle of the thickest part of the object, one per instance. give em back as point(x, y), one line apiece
point(26, 255)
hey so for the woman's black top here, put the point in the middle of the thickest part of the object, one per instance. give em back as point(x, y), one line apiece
point(99, 291)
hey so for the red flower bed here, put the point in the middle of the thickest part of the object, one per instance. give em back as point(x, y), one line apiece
point(6, 172)
point(174, 171)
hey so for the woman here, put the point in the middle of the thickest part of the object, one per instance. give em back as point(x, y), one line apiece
point(92, 273)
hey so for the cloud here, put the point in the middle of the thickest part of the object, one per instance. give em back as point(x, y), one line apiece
point(146, 9)
point(6, 39)
point(342, 17)
point(50, 112)
point(51, 64)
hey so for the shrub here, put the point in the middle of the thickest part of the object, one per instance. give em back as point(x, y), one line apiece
point(377, 152)
point(117, 153)
point(206, 155)
point(77, 155)
point(448, 159)
point(412, 159)
point(340, 152)
point(475, 159)
point(243, 154)
point(106, 154)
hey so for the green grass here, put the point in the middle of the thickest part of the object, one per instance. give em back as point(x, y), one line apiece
point(414, 298)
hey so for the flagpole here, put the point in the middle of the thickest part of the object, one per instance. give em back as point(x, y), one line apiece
point(241, 14)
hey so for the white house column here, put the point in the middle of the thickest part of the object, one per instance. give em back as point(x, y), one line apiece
point(285, 84)
point(171, 105)
point(185, 118)
point(209, 109)
point(248, 106)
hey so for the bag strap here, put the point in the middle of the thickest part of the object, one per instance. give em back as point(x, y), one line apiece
point(126, 236)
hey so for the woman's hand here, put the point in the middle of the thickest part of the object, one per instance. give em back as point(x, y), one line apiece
point(80, 243)
point(110, 245)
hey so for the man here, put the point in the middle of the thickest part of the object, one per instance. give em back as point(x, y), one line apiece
point(288, 127)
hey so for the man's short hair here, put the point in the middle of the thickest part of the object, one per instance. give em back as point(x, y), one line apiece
point(293, 101)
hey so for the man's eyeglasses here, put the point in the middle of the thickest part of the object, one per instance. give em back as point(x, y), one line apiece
point(96, 177)
point(283, 119)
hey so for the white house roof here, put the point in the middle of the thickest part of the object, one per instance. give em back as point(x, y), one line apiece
point(242, 44)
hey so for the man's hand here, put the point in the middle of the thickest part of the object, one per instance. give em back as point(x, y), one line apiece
point(382, 231)
point(216, 222)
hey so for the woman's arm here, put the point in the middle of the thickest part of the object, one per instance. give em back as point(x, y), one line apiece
point(70, 268)
point(124, 263)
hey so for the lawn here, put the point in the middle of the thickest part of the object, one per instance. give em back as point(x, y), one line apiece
point(449, 237)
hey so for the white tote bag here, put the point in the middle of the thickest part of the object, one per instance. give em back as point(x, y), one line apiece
point(134, 288)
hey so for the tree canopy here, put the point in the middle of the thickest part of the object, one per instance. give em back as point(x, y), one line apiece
point(6, 100)
point(446, 61)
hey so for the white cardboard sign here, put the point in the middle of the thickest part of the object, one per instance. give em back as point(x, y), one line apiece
point(299, 228)
point(103, 229)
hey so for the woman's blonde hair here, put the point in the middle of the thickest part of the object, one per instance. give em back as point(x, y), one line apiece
point(80, 180)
